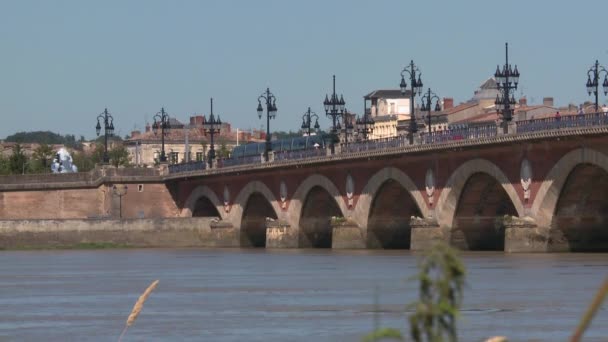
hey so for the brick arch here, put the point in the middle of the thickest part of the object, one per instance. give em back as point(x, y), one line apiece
point(369, 192)
point(450, 194)
point(198, 192)
point(236, 212)
point(299, 196)
point(548, 194)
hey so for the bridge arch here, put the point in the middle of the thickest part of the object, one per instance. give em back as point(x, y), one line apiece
point(400, 200)
point(545, 201)
point(254, 203)
point(453, 188)
point(314, 223)
point(205, 194)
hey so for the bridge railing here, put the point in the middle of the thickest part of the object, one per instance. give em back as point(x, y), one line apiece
point(239, 161)
point(580, 120)
point(376, 144)
point(473, 132)
point(187, 167)
point(300, 154)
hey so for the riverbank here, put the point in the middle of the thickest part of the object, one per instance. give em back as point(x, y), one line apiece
point(100, 234)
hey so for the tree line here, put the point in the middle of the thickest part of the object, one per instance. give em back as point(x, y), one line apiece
point(42, 157)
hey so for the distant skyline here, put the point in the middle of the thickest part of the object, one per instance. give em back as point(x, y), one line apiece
point(63, 62)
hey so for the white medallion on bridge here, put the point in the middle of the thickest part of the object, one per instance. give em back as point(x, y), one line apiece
point(350, 190)
point(226, 199)
point(429, 183)
point(283, 194)
point(525, 174)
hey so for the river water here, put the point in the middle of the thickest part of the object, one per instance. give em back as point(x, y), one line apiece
point(286, 295)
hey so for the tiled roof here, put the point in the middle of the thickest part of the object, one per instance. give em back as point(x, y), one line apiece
point(460, 107)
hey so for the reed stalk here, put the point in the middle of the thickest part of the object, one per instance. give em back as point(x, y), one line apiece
point(139, 305)
point(595, 305)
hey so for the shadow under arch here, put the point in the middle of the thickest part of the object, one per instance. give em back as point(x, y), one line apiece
point(472, 204)
point(252, 207)
point(314, 203)
point(203, 202)
point(452, 190)
point(573, 202)
point(385, 207)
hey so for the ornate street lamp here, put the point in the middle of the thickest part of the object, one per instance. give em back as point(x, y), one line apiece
point(212, 127)
point(365, 124)
point(506, 81)
point(348, 128)
point(271, 113)
point(593, 77)
point(161, 121)
point(307, 121)
point(427, 101)
point(412, 71)
point(108, 126)
point(334, 108)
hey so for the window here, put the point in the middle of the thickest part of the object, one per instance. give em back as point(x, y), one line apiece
point(199, 156)
point(140, 187)
point(392, 108)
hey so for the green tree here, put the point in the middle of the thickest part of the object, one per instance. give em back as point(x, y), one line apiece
point(223, 151)
point(42, 155)
point(83, 161)
point(119, 156)
point(17, 162)
point(4, 165)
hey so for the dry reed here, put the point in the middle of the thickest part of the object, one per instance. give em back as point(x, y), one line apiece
point(139, 305)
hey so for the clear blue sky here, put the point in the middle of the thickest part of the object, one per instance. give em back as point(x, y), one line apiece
point(62, 62)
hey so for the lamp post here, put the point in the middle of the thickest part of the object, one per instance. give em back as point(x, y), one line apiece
point(506, 80)
point(411, 70)
point(348, 126)
point(271, 113)
point(593, 77)
point(120, 191)
point(334, 107)
point(108, 127)
point(212, 126)
point(427, 101)
point(365, 124)
point(161, 121)
point(307, 121)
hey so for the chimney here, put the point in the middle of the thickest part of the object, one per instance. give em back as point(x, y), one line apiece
point(448, 103)
point(548, 101)
point(523, 101)
point(192, 120)
point(147, 127)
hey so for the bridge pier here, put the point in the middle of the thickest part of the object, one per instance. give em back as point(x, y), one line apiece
point(279, 234)
point(522, 235)
point(425, 233)
point(346, 234)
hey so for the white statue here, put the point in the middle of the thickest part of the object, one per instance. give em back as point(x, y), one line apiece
point(62, 163)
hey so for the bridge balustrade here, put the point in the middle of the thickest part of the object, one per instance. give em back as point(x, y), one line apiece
point(299, 154)
point(473, 132)
point(580, 120)
point(239, 161)
point(187, 167)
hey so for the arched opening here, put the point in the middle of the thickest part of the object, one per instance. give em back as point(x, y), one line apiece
point(478, 220)
point(253, 223)
point(204, 208)
point(315, 220)
point(581, 214)
point(388, 225)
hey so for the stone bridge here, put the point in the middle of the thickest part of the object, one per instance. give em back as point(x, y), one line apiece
point(538, 190)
